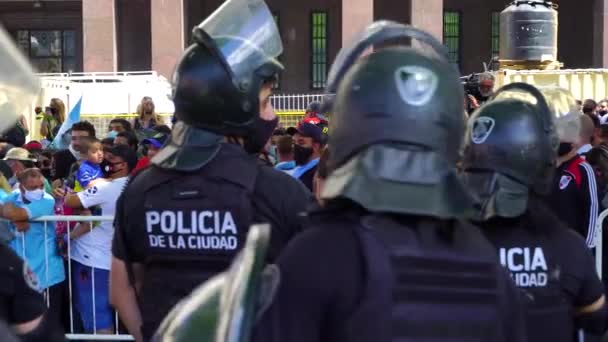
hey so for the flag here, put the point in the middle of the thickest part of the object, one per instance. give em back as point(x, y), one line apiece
point(59, 143)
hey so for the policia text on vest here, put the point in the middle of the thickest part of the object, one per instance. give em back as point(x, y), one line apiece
point(195, 230)
point(527, 266)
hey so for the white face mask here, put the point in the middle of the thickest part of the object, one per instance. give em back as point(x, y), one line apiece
point(34, 195)
point(75, 153)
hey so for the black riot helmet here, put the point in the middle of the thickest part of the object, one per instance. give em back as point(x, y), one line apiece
point(218, 79)
point(510, 149)
point(217, 83)
point(397, 126)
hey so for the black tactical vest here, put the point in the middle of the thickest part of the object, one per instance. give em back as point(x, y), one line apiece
point(195, 225)
point(532, 259)
point(428, 281)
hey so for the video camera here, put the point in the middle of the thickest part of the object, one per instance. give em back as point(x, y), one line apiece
point(470, 83)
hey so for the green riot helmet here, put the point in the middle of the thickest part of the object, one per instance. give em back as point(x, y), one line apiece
point(217, 81)
point(225, 308)
point(397, 126)
point(509, 150)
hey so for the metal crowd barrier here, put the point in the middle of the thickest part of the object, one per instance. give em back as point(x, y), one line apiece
point(72, 334)
point(599, 245)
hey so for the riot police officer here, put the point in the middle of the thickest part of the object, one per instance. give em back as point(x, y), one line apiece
point(21, 305)
point(509, 157)
point(387, 258)
point(183, 219)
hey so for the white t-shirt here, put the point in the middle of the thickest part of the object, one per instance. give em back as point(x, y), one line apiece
point(94, 249)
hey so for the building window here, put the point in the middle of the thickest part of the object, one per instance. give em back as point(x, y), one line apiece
point(495, 33)
point(451, 35)
point(49, 51)
point(319, 50)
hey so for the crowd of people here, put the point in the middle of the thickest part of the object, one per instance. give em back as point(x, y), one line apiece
point(85, 179)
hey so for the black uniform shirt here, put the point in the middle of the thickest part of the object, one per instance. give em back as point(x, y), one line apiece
point(574, 197)
point(278, 199)
point(20, 301)
point(194, 249)
point(546, 260)
point(322, 285)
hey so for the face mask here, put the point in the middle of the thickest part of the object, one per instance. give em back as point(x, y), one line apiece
point(12, 181)
point(112, 134)
point(75, 153)
point(301, 154)
point(564, 148)
point(105, 168)
point(34, 195)
point(602, 112)
point(262, 131)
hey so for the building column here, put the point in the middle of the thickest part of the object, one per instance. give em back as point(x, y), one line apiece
point(600, 34)
point(168, 38)
point(99, 35)
point(427, 15)
point(356, 16)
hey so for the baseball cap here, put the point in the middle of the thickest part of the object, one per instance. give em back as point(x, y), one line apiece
point(33, 146)
point(311, 131)
point(18, 153)
point(157, 141)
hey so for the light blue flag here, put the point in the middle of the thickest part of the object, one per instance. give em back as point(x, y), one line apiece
point(60, 143)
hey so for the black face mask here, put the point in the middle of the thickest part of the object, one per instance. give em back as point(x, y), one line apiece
point(105, 167)
point(564, 148)
point(301, 154)
point(602, 112)
point(262, 131)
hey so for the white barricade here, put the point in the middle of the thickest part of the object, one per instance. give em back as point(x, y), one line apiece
point(72, 334)
point(599, 246)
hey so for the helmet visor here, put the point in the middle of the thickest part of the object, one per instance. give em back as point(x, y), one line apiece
point(246, 34)
point(18, 84)
point(565, 111)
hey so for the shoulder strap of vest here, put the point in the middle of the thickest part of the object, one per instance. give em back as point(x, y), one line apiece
point(376, 291)
point(574, 169)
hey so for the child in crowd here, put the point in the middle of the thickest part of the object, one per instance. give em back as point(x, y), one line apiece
point(89, 174)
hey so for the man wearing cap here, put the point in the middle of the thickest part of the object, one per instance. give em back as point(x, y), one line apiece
point(18, 159)
point(91, 252)
point(308, 143)
point(152, 146)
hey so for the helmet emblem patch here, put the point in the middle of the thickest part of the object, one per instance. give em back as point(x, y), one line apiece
point(482, 127)
point(416, 85)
